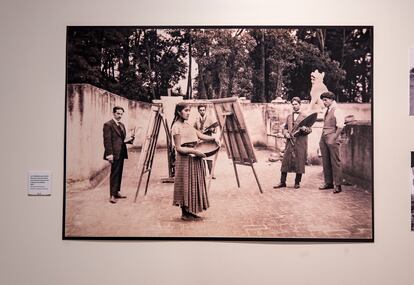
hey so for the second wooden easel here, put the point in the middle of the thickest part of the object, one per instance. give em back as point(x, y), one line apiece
point(146, 158)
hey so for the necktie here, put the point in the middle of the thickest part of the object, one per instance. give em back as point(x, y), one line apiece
point(327, 110)
point(121, 129)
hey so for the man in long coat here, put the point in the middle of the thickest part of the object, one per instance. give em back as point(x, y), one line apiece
point(296, 151)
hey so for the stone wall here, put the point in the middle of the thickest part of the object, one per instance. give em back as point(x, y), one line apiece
point(89, 107)
point(356, 153)
point(266, 119)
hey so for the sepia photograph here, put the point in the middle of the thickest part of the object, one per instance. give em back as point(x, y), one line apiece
point(219, 133)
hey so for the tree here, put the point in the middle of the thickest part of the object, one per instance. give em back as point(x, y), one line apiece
point(84, 55)
point(139, 64)
point(223, 62)
point(259, 64)
point(351, 48)
point(273, 57)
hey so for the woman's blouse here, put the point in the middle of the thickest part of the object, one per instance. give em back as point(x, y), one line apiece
point(187, 132)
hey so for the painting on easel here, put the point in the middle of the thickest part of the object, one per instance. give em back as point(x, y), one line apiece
point(219, 133)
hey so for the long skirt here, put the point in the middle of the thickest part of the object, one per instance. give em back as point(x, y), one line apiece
point(190, 189)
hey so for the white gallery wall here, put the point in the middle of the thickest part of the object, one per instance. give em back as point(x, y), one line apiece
point(32, 91)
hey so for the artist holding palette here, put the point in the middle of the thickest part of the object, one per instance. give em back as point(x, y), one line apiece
point(190, 191)
point(206, 125)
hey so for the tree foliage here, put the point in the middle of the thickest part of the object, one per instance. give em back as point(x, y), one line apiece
point(256, 63)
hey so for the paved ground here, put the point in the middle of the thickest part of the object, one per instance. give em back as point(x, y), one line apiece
point(234, 212)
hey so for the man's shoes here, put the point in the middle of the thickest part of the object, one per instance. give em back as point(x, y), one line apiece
point(119, 196)
point(326, 186)
point(338, 189)
point(280, 185)
point(112, 200)
point(297, 186)
point(214, 177)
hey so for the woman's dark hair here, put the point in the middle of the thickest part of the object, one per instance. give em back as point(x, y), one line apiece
point(178, 108)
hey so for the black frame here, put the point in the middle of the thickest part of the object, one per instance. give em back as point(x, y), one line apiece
point(196, 238)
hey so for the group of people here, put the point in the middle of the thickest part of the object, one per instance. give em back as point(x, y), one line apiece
point(190, 193)
point(295, 155)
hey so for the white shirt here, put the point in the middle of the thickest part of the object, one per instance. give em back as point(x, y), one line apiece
point(116, 122)
point(339, 115)
point(295, 116)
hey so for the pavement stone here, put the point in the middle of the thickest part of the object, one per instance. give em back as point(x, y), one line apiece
point(234, 212)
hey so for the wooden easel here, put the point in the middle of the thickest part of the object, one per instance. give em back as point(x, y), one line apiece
point(148, 148)
point(236, 138)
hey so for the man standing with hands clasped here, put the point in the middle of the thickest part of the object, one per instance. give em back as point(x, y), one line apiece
point(114, 138)
point(329, 144)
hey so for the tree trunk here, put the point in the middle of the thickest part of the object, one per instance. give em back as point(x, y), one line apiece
point(150, 69)
point(321, 36)
point(201, 90)
point(279, 81)
point(232, 65)
point(189, 92)
point(343, 48)
point(263, 68)
point(124, 68)
point(232, 71)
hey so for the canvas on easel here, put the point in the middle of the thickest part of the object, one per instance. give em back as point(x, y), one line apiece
point(236, 138)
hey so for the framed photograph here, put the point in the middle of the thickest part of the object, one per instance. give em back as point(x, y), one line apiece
point(219, 133)
point(412, 190)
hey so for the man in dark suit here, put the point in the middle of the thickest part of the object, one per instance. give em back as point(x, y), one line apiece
point(296, 151)
point(114, 134)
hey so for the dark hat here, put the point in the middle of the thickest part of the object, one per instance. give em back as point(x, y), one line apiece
point(328, 95)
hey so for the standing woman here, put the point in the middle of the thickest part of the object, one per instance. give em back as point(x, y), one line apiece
point(190, 191)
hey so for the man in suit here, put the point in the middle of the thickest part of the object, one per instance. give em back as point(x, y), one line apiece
point(334, 122)
point(295, 156)
point(114, 134)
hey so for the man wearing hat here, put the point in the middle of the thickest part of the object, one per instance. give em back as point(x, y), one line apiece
point(329, 144)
